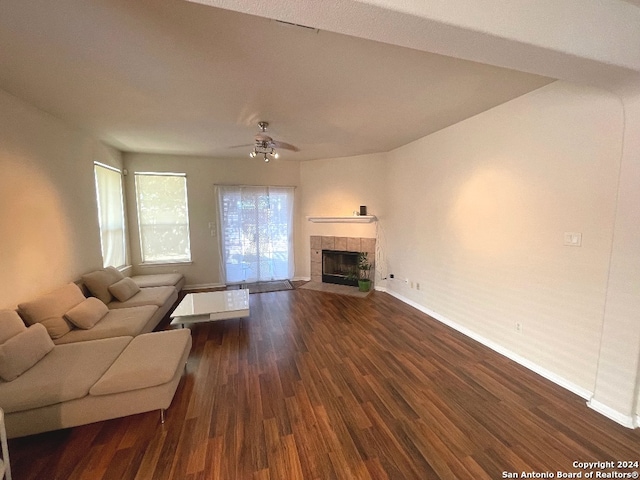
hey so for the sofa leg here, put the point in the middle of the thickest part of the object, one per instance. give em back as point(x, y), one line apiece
point(162, 416)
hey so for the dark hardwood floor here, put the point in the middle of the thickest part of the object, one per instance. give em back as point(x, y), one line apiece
point(319, 386)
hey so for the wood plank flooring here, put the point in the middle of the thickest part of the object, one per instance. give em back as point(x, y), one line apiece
point(321, 386)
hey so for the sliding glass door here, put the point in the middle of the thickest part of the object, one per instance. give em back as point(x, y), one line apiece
point(256, 227)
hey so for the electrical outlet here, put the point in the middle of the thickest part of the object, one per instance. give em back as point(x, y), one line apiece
point(417, 286)
point(518, 327)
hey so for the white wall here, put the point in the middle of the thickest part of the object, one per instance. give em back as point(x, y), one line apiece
point(337, 187)
point(49, 230)
point(202, 174)
point(495, 195)
point(617, 392)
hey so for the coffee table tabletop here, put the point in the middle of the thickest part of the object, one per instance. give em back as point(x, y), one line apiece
point(209, 306)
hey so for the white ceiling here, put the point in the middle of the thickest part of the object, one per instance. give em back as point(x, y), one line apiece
point(168, 76)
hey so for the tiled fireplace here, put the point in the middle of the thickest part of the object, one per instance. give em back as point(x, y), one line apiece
point(339, 244)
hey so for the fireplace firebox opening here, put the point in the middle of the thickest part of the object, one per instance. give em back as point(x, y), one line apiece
point(340, 267)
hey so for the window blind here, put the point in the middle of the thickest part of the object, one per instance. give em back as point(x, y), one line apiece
point(163, 217)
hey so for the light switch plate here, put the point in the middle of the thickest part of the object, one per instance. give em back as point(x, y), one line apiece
point(573, 239)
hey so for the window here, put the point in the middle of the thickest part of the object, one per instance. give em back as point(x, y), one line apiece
point(110, 215)
point(163, 217)
point(256, 228)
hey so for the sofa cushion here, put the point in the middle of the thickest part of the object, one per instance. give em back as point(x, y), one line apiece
point(116, 323)
point(67, 372)
point(98, 282)
point(86, 314)
point(146, 296)
point(49, 309)
point(23, 351)
point(149, 360)
point(10, 325)
point(124, 289)
point(175, 280)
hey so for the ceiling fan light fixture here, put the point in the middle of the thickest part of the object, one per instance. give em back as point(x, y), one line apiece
point(267, 153)
point(266, 146)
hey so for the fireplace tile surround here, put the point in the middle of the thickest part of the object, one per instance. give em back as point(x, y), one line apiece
point(345, 244)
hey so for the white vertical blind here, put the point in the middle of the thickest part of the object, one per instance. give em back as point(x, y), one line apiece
point(110, 215)
point(163, 217)
point(256, 233)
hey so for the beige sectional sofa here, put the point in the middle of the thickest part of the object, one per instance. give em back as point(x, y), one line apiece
point(68, 360)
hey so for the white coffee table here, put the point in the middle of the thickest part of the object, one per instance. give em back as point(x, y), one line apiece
point(210, 306)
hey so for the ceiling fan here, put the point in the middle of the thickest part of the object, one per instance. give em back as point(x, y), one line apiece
point(266, 146)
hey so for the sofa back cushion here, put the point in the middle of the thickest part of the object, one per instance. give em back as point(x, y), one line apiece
point(49, 309)
point(98, 282)
point(10, 325)
point(23, 351)
point(86, 314)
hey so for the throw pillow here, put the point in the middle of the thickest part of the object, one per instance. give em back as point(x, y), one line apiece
point(98, 282)
point(23, 351)
point(86, 314)
point(10, 325)
point(115, 273)
point(124, 289)
point(56, 326)
point(49, 309)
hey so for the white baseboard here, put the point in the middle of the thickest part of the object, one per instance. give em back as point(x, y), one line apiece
point(301, 279)
point(549, 375)
point(624, 420)
point(204, 286)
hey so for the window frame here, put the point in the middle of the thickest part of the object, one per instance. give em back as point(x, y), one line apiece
point(187, 225)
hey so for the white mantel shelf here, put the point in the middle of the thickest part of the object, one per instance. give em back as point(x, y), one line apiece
point(342, 219)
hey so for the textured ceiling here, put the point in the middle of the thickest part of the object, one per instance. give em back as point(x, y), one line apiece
point(178, 77)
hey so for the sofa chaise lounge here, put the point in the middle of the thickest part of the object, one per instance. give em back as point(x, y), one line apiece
point(50, 386)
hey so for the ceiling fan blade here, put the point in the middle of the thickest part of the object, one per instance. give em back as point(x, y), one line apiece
point(285, 146)
point(263, 137)
point(242, 146)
